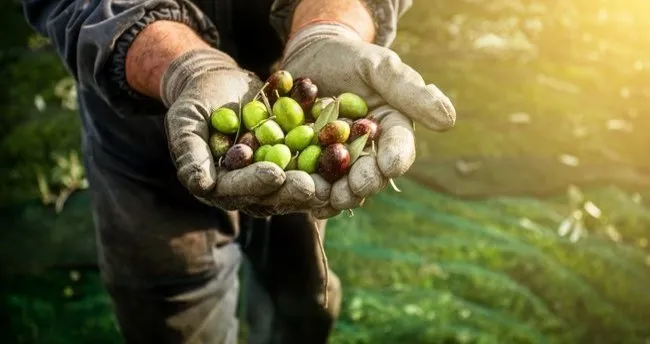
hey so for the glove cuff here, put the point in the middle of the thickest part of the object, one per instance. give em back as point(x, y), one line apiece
point(116, 32)
point(189, 66)
point(385, 15)
point(315, 32)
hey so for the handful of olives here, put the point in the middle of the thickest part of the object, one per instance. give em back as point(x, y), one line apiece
point(288, 124)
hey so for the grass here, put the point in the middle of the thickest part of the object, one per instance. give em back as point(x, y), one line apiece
point(581, 74)
point(421, 267)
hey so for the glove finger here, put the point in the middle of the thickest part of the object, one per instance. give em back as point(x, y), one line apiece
point(395, 145)
point(342, 196)
point(325, 212)
point(295, 193)
point(187, 122)
point(365, 177)
point(323, 189)
point(404, 88)
point(291, 197)
point(258, 179)
point(187, 132)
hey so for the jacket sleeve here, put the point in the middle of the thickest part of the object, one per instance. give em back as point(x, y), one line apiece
point(92, 37)
point(385, 14)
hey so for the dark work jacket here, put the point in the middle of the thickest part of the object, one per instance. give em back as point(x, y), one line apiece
point(123, 132)
point(141, 210)
point(125, 135)
point(137, 198)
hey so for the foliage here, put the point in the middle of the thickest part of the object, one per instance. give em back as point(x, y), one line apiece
point(66, 311)
point(420, 267)
point(491, 271)
point(565, 79)
point(38, 108)
point(535, 78)
point(66, 177)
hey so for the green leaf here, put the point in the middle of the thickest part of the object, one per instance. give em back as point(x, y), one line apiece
point(330, 113)
point(356, 148)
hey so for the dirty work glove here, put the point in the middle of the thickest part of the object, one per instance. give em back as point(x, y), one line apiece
point(337, 60)
point(193, 86)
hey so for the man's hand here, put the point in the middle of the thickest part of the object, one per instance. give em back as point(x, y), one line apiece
point(193, 82)
point(336, 54)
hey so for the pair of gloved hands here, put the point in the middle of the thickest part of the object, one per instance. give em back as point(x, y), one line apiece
point(336, 60)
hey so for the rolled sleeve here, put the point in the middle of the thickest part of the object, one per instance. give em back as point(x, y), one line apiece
point(385, 14)
point(93, 37)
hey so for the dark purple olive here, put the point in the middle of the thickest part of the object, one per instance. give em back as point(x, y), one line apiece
point(334, 162)
point(238, 156)
point(301, 79)
point(305, 93)
point(249, 140)
point(364, 126)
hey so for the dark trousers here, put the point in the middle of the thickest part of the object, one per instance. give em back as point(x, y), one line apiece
point(172, 269)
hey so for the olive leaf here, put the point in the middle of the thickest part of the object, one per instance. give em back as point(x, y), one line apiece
point(329, 114)
point(356, 148)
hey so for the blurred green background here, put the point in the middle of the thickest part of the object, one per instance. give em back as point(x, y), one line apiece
point(532, 225)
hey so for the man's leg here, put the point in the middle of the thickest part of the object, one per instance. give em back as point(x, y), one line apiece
point(200, 310)
point(285, 282)
point(170, 266)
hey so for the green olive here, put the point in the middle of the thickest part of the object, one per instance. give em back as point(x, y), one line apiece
point(308, 159)
point(299, 138)
point(352, 106)
point(225, 120)
point(260, 153)
point(288, 113)
point(253, 113)
point(279, 154)
point(269, 133)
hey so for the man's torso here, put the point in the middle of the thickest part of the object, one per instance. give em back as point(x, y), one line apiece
point(136, 148)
